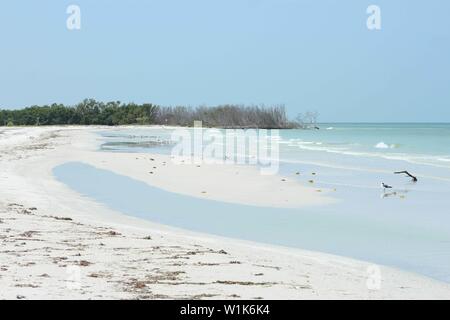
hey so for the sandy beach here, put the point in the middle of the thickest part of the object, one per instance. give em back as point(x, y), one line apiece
point(58, 244)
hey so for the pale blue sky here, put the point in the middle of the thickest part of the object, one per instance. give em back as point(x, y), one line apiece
point(307, 54)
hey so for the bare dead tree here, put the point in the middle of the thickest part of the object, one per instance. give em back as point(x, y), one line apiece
point(226, 116)
point(308, 120)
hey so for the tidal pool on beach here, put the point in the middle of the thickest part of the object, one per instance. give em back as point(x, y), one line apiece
point(364, 225)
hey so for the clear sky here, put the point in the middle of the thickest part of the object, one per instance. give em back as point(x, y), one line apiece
point(307, 54)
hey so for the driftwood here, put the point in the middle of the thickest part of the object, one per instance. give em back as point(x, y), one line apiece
point(408, 174)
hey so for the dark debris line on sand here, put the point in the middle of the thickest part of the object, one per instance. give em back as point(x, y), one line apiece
point(126, 276)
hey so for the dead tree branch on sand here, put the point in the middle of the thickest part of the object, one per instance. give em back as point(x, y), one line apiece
point(408, 174)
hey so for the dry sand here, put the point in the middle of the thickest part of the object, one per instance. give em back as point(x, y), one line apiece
point(57, 244)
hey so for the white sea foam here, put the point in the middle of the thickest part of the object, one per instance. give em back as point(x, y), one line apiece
point(382, 145)
point(346, 149)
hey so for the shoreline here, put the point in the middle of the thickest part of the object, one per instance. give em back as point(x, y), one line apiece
point(164, 266)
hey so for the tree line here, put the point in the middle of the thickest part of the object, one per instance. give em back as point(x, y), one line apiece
point(92, 112)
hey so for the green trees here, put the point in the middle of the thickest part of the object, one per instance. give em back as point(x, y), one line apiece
point(87, 112)
point(92, 112)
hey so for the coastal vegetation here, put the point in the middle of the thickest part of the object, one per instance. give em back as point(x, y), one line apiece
point(92, 112)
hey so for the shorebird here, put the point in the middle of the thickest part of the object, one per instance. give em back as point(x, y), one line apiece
point(386, 186)
point(414, 179)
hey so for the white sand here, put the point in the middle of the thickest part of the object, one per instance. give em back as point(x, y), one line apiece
point(103, 254)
